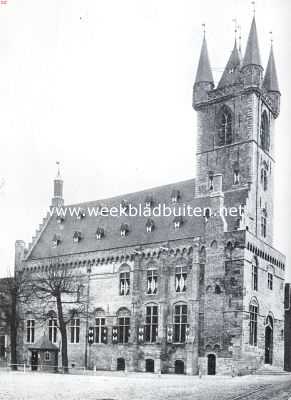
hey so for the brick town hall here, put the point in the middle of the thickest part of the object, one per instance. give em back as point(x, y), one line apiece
point(180, 294)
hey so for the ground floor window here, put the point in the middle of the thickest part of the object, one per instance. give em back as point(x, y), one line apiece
point(123, 329)
point(75, 330)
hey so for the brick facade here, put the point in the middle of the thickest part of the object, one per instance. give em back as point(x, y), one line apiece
point(216, 255)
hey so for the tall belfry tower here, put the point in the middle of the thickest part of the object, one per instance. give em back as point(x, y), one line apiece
point(236, 130)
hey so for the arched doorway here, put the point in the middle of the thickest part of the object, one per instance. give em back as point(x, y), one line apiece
point(269, 340)
point(179, 367)
point(211, 364)
point(150, 365)
point(120, 364)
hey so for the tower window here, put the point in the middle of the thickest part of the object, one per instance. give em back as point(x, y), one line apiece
point(255, 275)
point(265, 132)
point(264, 223)
point(253, 323)
point(210, 180)
point(225, 127)
point(270, 281)
point(264, 178)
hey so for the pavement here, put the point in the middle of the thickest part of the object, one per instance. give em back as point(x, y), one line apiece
point(137, 386)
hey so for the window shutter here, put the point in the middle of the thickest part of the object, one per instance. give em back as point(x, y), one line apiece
point(104, 334)
point(170, 333)
point(141, 331)
point(114, 334)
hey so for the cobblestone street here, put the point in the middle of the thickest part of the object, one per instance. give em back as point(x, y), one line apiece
point(119, 386)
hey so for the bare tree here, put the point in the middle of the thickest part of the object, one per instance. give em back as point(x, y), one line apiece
point(61, 288)
point(14, 291)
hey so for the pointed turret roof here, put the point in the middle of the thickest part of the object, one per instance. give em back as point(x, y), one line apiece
point(204, 73)
point(232, 70)
point(270, 82)
point(252, 54)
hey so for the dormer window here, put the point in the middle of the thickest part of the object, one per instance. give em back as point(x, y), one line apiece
point(124, 230)
point(60, 219)
point(99, 233)
point(77, 237)
point(149, 201)
point(124, 205)
point(236, 177)
point(56, 240)
point(178, 221)
point(81, 213)
point(150, 225)
point(175, 196)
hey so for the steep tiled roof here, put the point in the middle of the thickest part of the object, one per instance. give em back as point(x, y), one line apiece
point(270, 82)
point(252, 54)
point(164, 229)
point(44, 344)
point(204, 73)
point(231, 73)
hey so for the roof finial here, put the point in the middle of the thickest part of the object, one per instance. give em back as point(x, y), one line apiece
point(239, 38)
point(271, 38)
point(59, 172)
point(254, 7)
point(235, 28)
point(204, 30)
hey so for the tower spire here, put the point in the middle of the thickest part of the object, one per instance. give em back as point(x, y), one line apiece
point(270, 82)
point(252, 54)
point(57, 200)
point(231, 73)
point(204, 72)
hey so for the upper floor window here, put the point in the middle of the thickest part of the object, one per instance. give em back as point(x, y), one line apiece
point(75, 330)
point(265, 132)
point(152, 281)
point(99, 233)
point(270, 281)
point(124, 283)
point(180, 278)
point(255, 275)
point(180, 323)
point(224, 127)
point(2, 346)
point(53, 330)
point(124, 230)
point(30, 330)
point(236, 177)
point(175, 195)
point(150, 225)
point(151, 324)
point(254, 308)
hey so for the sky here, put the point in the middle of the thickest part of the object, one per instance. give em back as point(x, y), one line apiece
point(105, 87)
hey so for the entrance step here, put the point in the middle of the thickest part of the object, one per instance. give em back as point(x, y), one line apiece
point(268, 369)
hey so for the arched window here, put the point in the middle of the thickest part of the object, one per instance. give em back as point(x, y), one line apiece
point(224, 127)
point(254, 310)
point(265, 132)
